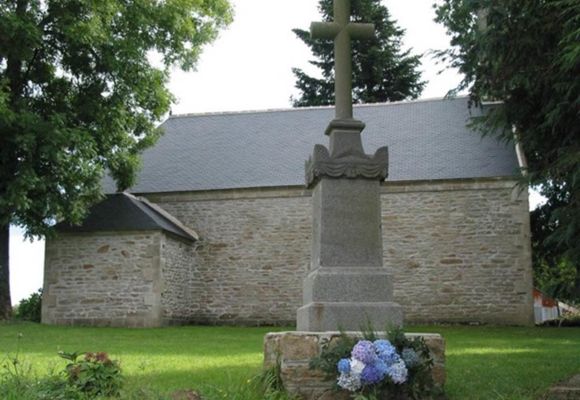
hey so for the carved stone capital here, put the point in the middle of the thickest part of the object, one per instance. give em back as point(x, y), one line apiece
point(351, 166)
point(347, 125)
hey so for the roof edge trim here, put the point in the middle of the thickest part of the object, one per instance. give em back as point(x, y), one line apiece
point(289, 109)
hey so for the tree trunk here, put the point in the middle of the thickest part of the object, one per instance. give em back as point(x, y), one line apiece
point(5, 301)
point(576, 290)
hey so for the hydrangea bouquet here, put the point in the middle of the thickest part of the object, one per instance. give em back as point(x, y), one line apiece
point(373, 362)
point(374, 368)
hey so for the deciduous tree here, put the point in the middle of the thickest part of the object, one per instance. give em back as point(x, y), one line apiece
point(78, 95)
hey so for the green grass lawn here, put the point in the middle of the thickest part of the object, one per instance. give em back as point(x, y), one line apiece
point(482, 362)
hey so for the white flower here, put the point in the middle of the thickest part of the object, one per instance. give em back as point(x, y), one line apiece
point(356, 366)
point(398, 372)
point(349, 382)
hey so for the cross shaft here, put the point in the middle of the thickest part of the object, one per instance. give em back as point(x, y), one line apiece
point(342, 31)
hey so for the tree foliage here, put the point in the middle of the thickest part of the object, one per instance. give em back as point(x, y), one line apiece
point(554, 272)
point(382, 71)
point(527, 54)
point(78, 95)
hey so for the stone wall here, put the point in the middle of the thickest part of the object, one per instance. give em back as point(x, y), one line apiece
point(253, 252)
point(178, 301)
point(103, 279)
point(459, 251)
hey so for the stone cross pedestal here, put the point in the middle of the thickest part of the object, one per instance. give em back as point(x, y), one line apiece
point(348, 285)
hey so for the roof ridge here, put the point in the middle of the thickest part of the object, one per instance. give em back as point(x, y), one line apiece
point(313, 108)
point(163, 213)
point(153, 211)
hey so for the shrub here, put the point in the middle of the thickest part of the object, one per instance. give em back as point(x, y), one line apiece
point(30, 309)
point(94, 374)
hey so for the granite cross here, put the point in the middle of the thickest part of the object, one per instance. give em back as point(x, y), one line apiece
point(347, 286)
point(342, 31)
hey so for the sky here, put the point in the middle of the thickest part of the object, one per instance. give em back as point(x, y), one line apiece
point(249, 68)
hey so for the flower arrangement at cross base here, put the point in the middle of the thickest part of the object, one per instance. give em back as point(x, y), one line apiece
point(372, 368)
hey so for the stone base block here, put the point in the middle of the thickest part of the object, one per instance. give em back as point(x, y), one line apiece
point(327, 316)
point(333, 284)
point(568, 389)
point(294, 350)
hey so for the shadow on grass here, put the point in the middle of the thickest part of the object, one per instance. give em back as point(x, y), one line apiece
point(217, 382)
point(482, 362)
point(509, 372)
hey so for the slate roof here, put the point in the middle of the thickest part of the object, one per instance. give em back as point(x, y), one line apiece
point(124, 212)
point(427, 139)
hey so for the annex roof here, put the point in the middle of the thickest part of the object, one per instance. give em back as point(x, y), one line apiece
point(427, 140)
point(125, 212)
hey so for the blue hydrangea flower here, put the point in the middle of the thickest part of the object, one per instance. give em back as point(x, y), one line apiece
point(410, 357)
point(371, 375)
point(382, 368)
point(398, 372)
point(386, 351)
point(344, 366)
point(364, 351)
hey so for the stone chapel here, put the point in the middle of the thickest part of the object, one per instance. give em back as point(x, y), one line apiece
point(217, 229)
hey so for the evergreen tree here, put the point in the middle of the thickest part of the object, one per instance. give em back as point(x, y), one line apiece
point(527, 55)
point(382, 71)
point(79, 96)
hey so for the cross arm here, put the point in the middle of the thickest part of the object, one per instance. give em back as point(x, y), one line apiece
point(360, 31)
point(329, 30)
point(324, 30)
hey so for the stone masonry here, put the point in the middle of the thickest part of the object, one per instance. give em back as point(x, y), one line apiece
point(135, 279)
point(458, 251)
point(178, 302)
point(293, 351)
point(252, 254)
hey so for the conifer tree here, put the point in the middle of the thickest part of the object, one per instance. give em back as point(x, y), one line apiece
point(526, 54)
point(382, 70)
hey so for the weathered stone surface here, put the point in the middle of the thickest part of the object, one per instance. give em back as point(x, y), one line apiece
point(114, 291)
point(342, 31)
point(325, 316)
point(568, 389)
point(178, 301)
point(298, 379)
point(252, 256)
point(255, 251)
point(353, 283)
point(129, 279)
point(347, 165)
point(483, 228)
point(298, 347)
point(346, 205)
point(333, 395)
point(346, 223)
